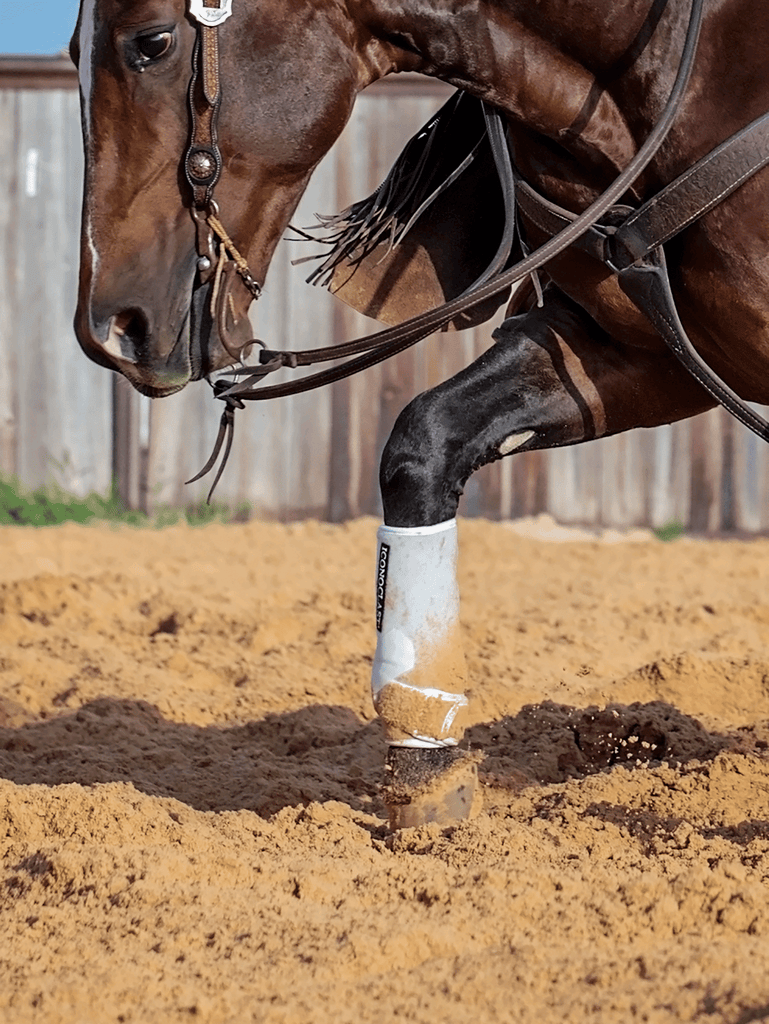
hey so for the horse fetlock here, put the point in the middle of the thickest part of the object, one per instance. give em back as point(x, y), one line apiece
point(421, 716)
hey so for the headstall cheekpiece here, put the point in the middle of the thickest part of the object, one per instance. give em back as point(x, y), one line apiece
point(203, 159)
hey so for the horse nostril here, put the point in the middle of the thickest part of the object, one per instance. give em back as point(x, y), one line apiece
point(127, 335)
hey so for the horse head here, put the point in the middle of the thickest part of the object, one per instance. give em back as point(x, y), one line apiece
point(288, 78)
point(158, 301)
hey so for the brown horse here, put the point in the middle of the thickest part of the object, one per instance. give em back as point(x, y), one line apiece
point(580, 86)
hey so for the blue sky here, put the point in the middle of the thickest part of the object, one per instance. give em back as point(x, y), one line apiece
point(37, 26)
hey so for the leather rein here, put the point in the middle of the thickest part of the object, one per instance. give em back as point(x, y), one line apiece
point(629, 242)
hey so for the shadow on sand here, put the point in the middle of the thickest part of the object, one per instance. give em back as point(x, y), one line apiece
point(324, 752)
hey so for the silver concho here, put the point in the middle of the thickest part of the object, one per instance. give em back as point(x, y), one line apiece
point(211, 16)
point(201, 165)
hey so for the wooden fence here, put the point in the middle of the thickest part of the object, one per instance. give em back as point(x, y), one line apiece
point(66, 420)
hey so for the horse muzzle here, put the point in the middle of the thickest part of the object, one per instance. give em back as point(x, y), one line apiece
point(160, 359)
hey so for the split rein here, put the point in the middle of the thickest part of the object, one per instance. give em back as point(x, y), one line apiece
point(203, 164)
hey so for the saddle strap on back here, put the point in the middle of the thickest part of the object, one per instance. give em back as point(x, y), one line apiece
point(689, 197)
point(630, 243)
point(647, 285)
point(693, 194)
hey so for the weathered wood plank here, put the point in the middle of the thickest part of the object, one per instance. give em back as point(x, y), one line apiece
point(64, 400)
point(573, 483)
point(668, 460)
point(127, 443)
point(706, 480)
point(751, 478)
point(8, 281)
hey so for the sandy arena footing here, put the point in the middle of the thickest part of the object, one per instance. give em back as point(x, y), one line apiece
point(191, 813)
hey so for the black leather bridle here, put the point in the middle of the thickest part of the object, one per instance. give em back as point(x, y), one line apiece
point(629, 242)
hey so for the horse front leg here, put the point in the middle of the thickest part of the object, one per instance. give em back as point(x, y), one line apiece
point(552, 378)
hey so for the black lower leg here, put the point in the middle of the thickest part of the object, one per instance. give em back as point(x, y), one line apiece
point(479, 415)
point(552, 378)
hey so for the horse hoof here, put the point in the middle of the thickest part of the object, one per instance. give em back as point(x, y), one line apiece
point(431, 784)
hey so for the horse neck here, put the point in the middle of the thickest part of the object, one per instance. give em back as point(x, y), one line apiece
point(577, 73)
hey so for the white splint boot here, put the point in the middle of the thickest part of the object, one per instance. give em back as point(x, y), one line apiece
point(418, 677)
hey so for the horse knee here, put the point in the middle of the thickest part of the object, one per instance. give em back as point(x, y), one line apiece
point(445, 434)
point(530, 389)
point(415, 471)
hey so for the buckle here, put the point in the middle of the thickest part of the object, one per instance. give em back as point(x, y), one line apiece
point(211, 16)
point(617, 256)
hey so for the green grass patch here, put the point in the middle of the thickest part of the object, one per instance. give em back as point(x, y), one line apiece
point(51, 505)
point(670, 531)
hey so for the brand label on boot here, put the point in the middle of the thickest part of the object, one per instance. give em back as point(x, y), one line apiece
point(381, 583)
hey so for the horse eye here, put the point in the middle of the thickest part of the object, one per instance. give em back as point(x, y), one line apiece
point(153, 46)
